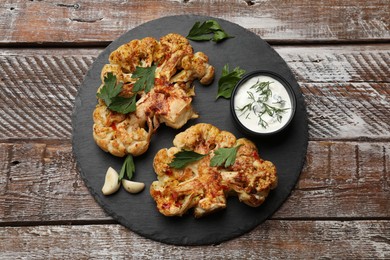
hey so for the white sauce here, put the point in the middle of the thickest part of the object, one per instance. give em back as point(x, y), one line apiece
point(251, 117)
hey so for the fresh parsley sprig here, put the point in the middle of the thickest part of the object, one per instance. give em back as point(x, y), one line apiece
point(145, 78)
point(228, 81)
point(222, 157)
point(183, 158)
point(110, 95)
point(128, 168)
point(111, 89)
point(206, 31)
point(123, 105)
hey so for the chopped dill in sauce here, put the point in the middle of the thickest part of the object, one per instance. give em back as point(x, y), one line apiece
point(262, 104)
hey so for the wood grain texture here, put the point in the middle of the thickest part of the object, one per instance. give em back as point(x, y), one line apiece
point(338, 63)
point(339, 180)
point(40, 182)
point(346, 90)
point(346, 180)
point(38, 94)
point(339, 52)
point(70, 22)
point(274, 239)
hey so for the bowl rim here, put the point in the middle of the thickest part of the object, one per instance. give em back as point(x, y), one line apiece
point(285, 84)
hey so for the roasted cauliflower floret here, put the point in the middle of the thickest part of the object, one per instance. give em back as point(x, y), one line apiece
point(203, 187)
point(251, 178)
point(169, 44)
point(135, 53)
point(168, 102)
point(121, 134)
point(203, 138)
point(195, 67)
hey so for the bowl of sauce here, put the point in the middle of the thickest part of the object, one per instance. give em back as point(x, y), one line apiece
point(263, 103)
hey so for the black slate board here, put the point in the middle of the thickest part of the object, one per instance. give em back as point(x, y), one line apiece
point(138, 212)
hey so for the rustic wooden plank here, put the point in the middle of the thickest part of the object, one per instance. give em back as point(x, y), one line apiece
point(38, 94)
point(346, 90)
point(348, 110)
point(342, 180)
point(338, 63)
point(70, 22)
point(39, 182)
point(273, 239)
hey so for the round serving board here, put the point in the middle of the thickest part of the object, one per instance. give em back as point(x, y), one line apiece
point(138, 212)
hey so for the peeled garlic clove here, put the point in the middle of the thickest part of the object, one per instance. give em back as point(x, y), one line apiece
point(133, 186)
point(111, 183)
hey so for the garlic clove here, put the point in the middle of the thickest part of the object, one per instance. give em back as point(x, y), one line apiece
point(133, 186)
point(111, 183)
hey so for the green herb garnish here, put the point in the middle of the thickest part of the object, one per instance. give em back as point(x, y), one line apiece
point(224, 157)
point(123, 105)
point(263, 89)
point(228, 81)
point(110, 89)
point(145, 78)
point(110, 95)
point(185, 157)
point(128, 168)
point(208, 30)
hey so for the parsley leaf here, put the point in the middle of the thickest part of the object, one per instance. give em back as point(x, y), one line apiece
point(199, 32)
point(145, 78)
point(220, 35)
point(185, 157)
point(228, 81)
point(110, 89)
point(208, 30)
point(224, 156)
point(110, 95)
point(123, 105)
point(128, 167)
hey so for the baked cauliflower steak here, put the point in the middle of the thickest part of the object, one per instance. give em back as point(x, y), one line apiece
point(168, 102)
point(204, 188)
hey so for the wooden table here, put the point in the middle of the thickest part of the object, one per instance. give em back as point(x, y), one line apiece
point(340, 54)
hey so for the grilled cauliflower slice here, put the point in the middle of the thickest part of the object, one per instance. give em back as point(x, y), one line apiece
point(205, 188)
point(169, 101)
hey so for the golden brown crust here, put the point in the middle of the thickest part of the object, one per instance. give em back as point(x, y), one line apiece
point(205, 188)
point(168, 102)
